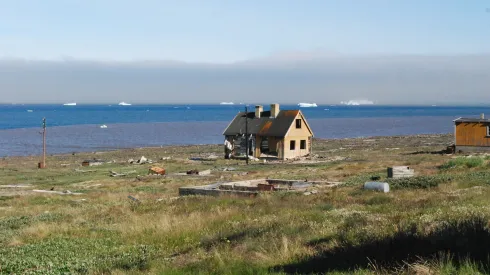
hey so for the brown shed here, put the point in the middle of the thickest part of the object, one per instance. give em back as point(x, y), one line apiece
point(472, 134)
point(283, 134)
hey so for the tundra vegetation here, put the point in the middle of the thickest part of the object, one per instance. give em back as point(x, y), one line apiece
point(434, 223)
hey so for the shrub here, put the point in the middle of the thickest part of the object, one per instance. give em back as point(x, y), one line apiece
point(475, 177)
point(463, 162)
point(418, 182)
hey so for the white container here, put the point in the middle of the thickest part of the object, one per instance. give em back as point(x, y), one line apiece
point(377, 186)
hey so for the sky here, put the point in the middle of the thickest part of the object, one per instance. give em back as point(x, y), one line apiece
point(220, 31)
point(230, 46)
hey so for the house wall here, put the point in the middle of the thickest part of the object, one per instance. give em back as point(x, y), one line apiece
point(274, 145)
point(258, 140)
point(297, 134)
point(472, 149)
point(471, 134)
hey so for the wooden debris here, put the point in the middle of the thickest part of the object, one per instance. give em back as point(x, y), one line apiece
point(199, 173)
point(92, 162)
point(66, 192)
point(156, 171)
point(116, 174)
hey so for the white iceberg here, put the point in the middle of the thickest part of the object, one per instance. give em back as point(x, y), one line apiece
point(124, 104)
point(227, 103)
point(306, 105)
point(357, 102)
point(70, 104)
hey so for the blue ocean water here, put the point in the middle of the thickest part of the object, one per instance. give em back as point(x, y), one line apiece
point(77, 128)
point(17, 116)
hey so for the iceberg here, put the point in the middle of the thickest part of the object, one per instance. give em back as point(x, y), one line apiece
point(357, 102)
point(103, 126)
point(227, 103)
point(124, 104)
point(307, 105)
point(70, 104)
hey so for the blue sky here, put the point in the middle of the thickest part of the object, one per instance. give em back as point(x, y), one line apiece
point(233, 30)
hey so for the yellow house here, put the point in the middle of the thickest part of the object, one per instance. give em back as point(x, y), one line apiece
point(283, 134)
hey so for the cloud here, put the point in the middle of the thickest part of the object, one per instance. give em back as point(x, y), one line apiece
point(395, 79)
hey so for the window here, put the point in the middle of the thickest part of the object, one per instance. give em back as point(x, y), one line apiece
point(488, 131)
point(292, 145)
point(298, 123)
point(302, 144)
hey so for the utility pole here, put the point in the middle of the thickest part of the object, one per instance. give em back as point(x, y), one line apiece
point(43, 163)
point(246, 133)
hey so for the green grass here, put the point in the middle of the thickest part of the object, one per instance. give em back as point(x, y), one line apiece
point(104, 232)
point(419, 182)
point(463, 162)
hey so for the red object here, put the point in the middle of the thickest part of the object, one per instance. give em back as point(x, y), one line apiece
point(157, 170)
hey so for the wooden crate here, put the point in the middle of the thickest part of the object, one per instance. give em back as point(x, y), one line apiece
point(400, 172)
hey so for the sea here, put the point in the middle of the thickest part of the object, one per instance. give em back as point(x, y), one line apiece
point(78, 128)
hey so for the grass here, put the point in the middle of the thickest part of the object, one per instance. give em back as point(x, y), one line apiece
point(419, 182)
point(464, 162)
point(102, 231)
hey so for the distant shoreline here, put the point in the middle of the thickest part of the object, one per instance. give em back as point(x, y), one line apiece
point(444, 136)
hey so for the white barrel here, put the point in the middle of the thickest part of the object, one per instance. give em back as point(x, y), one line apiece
point(378, 186)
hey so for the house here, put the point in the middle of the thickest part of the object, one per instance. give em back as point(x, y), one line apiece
point(283, 134)
point(472, 134)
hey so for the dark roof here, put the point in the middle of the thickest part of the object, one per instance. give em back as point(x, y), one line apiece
point(472, 120)
point(264, 126)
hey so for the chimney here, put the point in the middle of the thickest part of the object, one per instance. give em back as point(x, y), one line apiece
point(258, 109)
point(274, 110)
point(482, 116)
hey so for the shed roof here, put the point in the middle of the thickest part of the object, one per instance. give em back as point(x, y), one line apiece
point(471, 120)
point(264, 126)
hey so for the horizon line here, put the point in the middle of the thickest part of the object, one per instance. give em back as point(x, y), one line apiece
point(272, 58)
point(249, 104)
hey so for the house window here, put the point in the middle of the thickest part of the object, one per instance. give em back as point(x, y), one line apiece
point(298, 123)
point(488, 131)
point(302, 144)
point(292, 145)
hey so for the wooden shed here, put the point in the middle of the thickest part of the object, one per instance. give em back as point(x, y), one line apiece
point(472, 134)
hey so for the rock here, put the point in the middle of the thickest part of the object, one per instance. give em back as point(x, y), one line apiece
point(253, 158)
point(142, 160)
